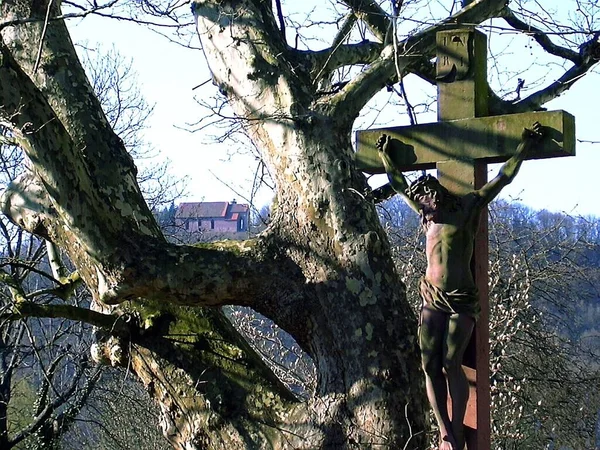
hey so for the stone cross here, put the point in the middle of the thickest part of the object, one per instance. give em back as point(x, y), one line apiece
point(460, 145)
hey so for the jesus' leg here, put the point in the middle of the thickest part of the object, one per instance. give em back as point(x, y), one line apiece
point(432, 338)
point(460, 328)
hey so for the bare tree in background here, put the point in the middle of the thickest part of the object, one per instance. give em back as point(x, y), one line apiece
point(46, 375)
point(116, 85)
point(544, 334)
point(323, 270)
point(545, 286)
point(118, 415)
point(44, 370)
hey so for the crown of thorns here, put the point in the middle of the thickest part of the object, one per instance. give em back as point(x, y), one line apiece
point(421, 184)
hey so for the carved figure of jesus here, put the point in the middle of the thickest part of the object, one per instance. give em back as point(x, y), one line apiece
point(450, 299)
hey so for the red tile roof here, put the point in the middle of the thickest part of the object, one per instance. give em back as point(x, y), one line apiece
point(239, 208)
point(222, 210)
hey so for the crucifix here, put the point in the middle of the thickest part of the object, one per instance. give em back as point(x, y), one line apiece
point(460, 145)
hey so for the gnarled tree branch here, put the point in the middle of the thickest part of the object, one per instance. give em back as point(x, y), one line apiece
point(59, 81)
point(539, 98)
point(328, 60)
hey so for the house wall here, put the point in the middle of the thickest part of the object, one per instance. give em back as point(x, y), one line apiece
point(225, 225)
point(218, 225)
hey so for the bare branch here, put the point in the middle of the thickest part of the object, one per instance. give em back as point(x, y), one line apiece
point(26, 309)
point(355, 94)
point(46, 383)
point(69, 414)
point(372, 15)
point(4, 140)
point(536, 100)
point(65, 289)
point(15, 288)
point(280, 18)
point(478, 11)
point(83, 13)
point(38, 58)
point(344, 30)
point(42, 415)
point(584, 60)
point(53, 252)
point(540, 37)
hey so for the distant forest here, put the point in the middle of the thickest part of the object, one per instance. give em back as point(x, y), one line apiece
point(544, 320)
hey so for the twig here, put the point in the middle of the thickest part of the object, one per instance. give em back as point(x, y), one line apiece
point(41, 43)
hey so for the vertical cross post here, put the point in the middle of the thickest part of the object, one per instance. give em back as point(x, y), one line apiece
point(462, 94)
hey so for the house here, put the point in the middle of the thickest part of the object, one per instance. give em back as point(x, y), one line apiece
point(222, 217)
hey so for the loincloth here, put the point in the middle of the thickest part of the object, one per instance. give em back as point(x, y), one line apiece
point(458, 301)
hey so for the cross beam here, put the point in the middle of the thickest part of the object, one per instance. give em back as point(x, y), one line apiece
point(459, 146)
point(487, 139)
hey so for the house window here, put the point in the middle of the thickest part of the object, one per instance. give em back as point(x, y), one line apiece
point(212, 224)
point(242, 224)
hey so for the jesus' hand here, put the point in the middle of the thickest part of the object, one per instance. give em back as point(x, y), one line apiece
point(535, 133)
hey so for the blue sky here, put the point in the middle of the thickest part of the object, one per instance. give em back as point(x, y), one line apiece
point(168, 73)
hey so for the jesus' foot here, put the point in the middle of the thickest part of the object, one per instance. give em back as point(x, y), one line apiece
point(447, 443)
